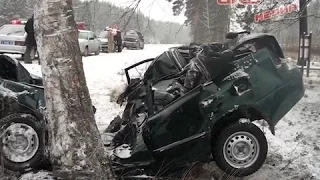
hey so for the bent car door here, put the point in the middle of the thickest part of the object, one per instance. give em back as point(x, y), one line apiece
point(179, 128)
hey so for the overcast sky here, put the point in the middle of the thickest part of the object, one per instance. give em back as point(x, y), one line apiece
point(155, 9)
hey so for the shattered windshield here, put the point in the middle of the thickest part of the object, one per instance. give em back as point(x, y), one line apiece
point(161, 67)
point(14, 30)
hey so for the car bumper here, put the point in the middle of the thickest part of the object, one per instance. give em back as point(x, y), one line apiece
point(130, 44)
point(104, 47)
point(12, 49)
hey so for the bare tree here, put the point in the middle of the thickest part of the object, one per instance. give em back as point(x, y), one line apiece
point(76, 150)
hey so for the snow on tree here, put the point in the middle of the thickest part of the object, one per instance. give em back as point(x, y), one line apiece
point(76, 148)
point(15, 9)
point(208, 20)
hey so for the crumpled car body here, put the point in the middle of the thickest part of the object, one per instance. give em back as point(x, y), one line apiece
point(24, 134)
point(188, 128)
point(15, 78)
point(22, 121)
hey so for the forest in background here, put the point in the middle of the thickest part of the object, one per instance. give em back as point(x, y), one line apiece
point(206, 20)
point(98, 14)
point(210, 21)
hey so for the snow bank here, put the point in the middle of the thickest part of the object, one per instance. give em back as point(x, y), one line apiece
point(41, 175)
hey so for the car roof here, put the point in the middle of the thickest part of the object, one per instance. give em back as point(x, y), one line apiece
point(84, 31)
point(133, 30)
point(13, 25)
point(253, 36)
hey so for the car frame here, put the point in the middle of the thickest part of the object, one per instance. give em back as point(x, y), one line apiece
point(210, 120)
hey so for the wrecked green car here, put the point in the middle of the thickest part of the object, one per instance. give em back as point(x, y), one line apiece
point(22, 123)
point(24, 136)
point(210, 120)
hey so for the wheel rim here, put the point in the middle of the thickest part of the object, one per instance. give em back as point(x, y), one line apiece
point(20, 142)
point(241, 150)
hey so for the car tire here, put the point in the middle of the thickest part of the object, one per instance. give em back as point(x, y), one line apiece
point(86, 51)
point(142, 46)
point(33, 142)
point(240, 149)
point(97, 52)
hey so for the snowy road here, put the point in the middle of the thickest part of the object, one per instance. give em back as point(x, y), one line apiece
point(294, 152)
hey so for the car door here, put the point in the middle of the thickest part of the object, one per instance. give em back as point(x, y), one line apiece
point(178, 121)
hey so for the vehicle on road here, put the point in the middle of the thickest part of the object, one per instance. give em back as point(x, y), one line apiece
point(12, 38)
point(103, 36)
point(133, 39)
point(22, 124)
point(168, 123)
point(89, 43)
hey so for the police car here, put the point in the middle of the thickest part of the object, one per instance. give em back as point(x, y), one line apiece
point(12, 37)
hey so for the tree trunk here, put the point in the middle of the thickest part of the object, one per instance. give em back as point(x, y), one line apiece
point(76, 149)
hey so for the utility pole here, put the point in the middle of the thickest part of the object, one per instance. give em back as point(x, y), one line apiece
point(303, 19)
point(303, 28)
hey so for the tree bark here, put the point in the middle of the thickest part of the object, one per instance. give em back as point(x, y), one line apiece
point(76, 150)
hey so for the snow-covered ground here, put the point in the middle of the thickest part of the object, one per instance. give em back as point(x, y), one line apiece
point(294, 152)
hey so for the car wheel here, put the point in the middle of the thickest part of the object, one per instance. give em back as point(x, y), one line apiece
point(98, 51)
point(23, 142)
point(241, 149)
point(86, 51)
point(142, 46)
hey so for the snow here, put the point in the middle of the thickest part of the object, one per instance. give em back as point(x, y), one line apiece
point(294, 151)
point(5, 92)
point(41, 175)
point(123, 151)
